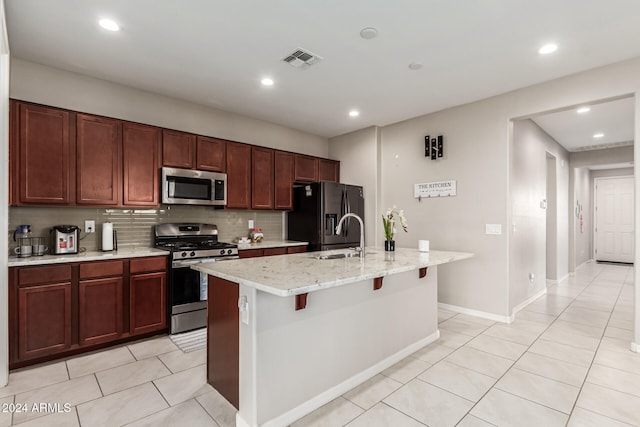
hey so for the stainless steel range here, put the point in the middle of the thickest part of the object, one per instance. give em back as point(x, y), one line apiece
point(190, 243)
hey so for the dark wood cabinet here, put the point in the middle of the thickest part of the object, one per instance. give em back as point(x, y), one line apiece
point(274, 251)
point(223, 339)
point(148, 294)
point(148, 302)
point(100, 301)
point(62, 309)
point(306, 168)
point(296, 249)
point(283, 185)
point(281, 250)
point(99, 144)
point(140, 162)
point(238, 175)
point(43, 152)
point(211, 154)
point(261, 178)
point(63, 158)
point(250, 253)
point(40, 311)
point(178, 149)
point(44, 314)
point(100, 310)
point(328, 170)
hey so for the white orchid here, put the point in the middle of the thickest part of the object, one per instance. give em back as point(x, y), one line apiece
point(388, 221)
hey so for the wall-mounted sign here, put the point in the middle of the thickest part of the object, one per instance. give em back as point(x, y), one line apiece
point(435, 189)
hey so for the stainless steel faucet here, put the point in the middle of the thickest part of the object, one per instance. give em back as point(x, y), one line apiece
point(339, 230)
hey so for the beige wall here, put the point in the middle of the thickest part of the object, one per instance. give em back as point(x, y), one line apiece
point(359, 155)
point(528, 237)
point(45, 85)
point(478, 138)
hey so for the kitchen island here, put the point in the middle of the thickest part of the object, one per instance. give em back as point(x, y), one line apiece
point(312, 326)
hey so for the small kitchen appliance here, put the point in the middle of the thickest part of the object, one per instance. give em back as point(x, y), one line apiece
point(190, 243)
point(64, 239)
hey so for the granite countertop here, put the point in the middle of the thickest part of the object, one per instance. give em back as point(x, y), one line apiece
point(15, 261)
point(270, 244)
point(286, 275)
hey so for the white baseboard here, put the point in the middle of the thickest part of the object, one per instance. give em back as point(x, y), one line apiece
point(477, 313)
point(556, 281)
point(635, 347)
point(491, 316)
point(525, 303)
point(340, 389)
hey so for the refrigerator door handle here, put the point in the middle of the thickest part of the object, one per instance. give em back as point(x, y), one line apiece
point(346, 211)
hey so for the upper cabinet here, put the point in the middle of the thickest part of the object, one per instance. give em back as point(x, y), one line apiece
point(187, 151)
point(283, 185)
point(42, 153)
point(64, 158)
point(328, 170)
point(178, 149)
point(238, 175)
point(306, 168)
point(140, 161)
point(211, 154)
point(99, 142)
point(261, 178)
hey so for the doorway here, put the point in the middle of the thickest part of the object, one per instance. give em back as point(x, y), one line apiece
point(614, 219)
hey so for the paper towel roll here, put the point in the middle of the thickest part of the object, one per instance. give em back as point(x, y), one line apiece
point(107, 236)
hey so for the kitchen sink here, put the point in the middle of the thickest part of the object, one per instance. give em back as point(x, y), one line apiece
point(340, 255)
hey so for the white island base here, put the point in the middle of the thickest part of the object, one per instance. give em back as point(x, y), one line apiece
point(293, 361)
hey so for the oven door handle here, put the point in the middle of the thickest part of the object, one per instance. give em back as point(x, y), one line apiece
point(189, 262)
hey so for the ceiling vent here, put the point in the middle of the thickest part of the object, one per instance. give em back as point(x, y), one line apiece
point(301, 58)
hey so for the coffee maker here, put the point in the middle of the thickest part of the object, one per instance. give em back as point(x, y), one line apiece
point(64, 239)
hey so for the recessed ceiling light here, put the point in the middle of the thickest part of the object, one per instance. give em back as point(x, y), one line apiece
point(415, 66)
point(583, 110)
point(108, 24)
point(267, 81)
point(548, 48)
point(354, 113)
point(598, 135)
point(369, 33)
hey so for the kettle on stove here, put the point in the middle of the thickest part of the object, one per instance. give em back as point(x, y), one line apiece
point(64, 239)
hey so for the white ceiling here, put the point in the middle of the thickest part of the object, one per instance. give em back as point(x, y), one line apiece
point(214, 52)
point(574, 131)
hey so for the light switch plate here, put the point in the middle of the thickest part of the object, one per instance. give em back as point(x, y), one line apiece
point(495, 229)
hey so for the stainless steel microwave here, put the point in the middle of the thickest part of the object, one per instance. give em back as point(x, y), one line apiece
point(193, 187)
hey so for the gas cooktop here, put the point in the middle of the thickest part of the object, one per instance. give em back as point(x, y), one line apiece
point(192, 240)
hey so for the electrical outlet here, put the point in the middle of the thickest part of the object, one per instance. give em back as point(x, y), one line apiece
point(89, 226)
point(250, 224)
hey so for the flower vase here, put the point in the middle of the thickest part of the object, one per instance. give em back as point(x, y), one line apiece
point(389, 245)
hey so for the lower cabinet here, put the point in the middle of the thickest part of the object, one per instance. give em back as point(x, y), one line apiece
point(100, 310)
point(63, 309)
point(148, 310)
point(255, 253)
point(44, 319)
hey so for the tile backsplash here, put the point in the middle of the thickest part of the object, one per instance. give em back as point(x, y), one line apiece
point(135, 226)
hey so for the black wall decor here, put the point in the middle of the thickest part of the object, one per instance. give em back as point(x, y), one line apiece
point(434, 147)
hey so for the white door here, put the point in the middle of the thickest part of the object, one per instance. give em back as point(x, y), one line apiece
point(614, 219)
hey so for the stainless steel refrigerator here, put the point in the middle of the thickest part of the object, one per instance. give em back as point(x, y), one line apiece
point(318, 207)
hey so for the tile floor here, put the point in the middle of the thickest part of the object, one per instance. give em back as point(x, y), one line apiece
point(565, 361)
